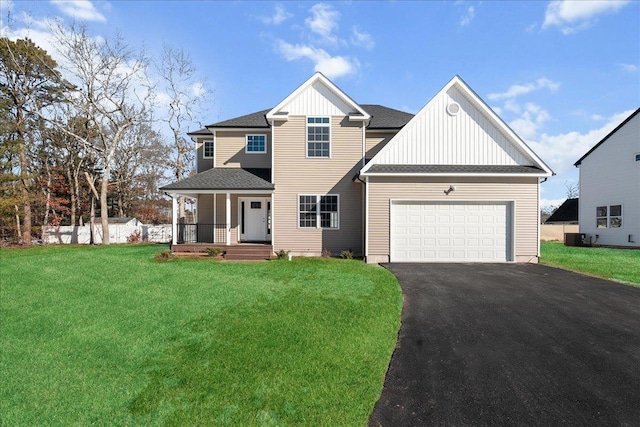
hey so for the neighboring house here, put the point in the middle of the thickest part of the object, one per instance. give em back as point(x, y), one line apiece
point(322, 172)
point(567, 213)
point(610, 187)
point(125, 221)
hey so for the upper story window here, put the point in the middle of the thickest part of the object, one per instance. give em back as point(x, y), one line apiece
point(318, 137)
point(256, 144)
point(638, 157)
point(207, 149)
point(609, 216)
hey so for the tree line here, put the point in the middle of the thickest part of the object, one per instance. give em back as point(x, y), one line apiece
point(93, 135)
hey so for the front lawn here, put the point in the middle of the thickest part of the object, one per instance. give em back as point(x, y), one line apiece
point(108, 336)
point(616, 264)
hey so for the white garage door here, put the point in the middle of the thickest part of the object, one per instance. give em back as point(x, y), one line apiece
point(450, 232)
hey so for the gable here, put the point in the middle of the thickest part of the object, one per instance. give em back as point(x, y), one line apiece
point(472, 135)
point(318, 96)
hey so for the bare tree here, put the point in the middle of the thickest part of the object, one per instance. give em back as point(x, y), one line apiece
point(111, 92)
point(573, 190)
point(186, 96)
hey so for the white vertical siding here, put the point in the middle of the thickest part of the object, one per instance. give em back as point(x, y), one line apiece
point(317, 100)
point(435, 137)
point(611, 176)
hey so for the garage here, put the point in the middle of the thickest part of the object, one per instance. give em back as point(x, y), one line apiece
point(425, 231)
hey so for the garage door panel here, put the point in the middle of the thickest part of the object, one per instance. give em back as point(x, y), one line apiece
point(446, 232)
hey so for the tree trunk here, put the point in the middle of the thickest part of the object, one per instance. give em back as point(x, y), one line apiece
point(92, 221)
point(18, 232)
point(72, 196)
point(25, 238)
point(104, 207)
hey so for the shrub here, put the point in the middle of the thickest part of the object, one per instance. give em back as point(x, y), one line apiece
point(346, 254)
point(282, 254)
point(215, 252)
point(134, 237)
point(164, 256)
point(326, 253)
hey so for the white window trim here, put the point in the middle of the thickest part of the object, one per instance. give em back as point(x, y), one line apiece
point(609, 217)
point(306, 136)
point(204, 143)
point(318, 220)
point(246, 143)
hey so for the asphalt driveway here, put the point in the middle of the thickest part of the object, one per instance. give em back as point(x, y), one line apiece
point(512, 344)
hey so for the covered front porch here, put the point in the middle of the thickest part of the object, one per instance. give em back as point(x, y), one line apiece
point(233, 208)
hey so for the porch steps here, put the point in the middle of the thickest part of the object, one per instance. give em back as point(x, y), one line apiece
point(243, 252)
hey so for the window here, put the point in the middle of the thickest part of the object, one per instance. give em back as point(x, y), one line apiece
point(609, 216)
point(615, 216)
point(638, 157)
point(316, 211)
point(318, 137)
point(207, 150)
point(256, 144)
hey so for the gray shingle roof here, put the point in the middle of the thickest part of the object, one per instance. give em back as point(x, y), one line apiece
point(567, 212)
point(253, 120)
point(453, 169)
point(381, 118)
point(385, 117)
point(221, 179)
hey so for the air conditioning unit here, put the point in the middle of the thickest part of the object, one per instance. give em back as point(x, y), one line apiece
point(573, 239)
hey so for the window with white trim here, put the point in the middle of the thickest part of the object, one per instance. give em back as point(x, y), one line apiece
point(319, 211)
point(207, 149)
point(609, 216)
point(318, 137)
point(256, 144)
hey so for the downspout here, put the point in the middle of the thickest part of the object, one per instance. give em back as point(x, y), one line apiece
point(366, 216)
point(273, 198)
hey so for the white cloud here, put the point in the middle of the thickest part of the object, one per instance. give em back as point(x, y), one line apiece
point(517, 89)
point(79, 9)
point(532, 118)
point(279, 15)
point(563, 150)
point(6, 5)
point(198, 89)
point(331, 66)
point(362, 39)
point(468, 16)
point(324, 22)
point(572, 16)
point(629, 68)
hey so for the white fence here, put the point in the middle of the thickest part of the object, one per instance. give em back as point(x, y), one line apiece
point(118, 233)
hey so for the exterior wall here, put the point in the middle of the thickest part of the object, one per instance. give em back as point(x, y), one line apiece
point(435, 137)
point(296, 174)
point(611, 176)
point(230, 150)
point(202, 164)
point(375, 141)
point(523, 191)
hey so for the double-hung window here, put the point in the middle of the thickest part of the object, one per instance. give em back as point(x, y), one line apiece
point(256, 144)
point(609, 216)
point(207, 149)
point(318, 211)
point(318, 137)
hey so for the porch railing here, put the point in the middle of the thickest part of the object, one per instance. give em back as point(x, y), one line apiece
point(202, 233)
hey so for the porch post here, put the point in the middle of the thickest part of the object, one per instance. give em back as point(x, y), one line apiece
point(174, 222)
point(228, 218)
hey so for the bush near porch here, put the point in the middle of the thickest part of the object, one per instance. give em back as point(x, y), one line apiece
point(109, 336)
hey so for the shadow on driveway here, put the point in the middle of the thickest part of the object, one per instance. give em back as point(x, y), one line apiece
point(512, 344)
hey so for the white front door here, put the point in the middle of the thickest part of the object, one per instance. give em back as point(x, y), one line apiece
point(253, 219)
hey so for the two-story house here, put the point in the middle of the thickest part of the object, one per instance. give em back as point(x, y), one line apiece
point(320, 172)
point(610, 187)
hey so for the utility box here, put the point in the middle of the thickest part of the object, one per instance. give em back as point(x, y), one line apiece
point(572, 239)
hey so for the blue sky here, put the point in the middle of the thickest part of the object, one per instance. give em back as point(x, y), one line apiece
point(562, 74)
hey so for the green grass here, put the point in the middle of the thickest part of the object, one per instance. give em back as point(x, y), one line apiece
point(108, 336)
point(622, 265)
